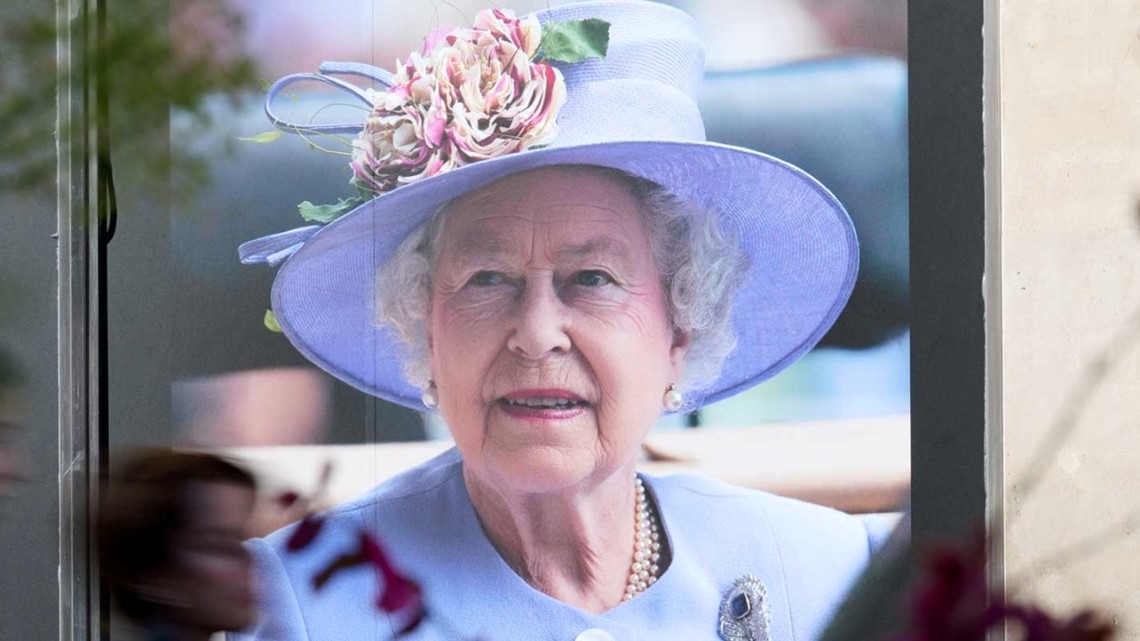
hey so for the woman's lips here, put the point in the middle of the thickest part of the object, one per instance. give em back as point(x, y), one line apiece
point(543, 404)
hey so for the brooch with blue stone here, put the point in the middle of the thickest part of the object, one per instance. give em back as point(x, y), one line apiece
point(744, 611)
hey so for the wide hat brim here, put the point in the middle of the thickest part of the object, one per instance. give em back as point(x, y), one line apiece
point(801, 247)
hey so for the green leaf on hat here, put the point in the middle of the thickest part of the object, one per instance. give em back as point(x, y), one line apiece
point(575, 40)
point(364, 193)
point(327, 213)
point(270, 321)
point(263, 137)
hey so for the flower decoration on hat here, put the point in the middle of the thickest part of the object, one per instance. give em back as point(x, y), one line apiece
point(470, 94)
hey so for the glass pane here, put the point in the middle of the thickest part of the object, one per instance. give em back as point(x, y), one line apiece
point(818, 83)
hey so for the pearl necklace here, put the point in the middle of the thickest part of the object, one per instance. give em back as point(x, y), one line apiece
point(646, 546)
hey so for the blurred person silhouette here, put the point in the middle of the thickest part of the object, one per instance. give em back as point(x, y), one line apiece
point(11, 417)
point(170, 534)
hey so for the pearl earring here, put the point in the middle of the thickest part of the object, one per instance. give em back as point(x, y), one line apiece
point(673, 399)
point(430, 397)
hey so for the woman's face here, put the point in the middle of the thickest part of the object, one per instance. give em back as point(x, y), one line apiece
point(549, 332)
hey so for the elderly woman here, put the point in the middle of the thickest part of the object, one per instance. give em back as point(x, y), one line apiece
point(550, 256)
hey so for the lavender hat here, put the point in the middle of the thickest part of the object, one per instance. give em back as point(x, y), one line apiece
point(635, 111)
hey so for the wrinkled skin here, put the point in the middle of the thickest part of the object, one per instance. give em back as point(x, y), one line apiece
point(545, 280)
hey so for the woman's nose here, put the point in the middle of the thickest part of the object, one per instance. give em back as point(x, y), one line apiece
point(542, 323)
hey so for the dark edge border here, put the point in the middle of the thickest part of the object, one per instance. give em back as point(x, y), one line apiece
point(948, 257)
point(994, 459)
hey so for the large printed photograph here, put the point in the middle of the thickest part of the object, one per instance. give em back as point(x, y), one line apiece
point(501, 258)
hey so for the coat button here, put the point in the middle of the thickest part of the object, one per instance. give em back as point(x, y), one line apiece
point(595, 634)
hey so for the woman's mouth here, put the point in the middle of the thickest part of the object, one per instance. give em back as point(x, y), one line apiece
point(542, 404)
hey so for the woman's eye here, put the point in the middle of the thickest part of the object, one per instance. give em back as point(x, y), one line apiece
point(592, 278)
point(485, 279)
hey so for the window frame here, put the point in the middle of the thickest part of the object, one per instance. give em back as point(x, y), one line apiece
point(949, 228)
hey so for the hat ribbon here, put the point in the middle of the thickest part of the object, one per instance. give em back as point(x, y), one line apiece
point(275, 248)
point(376, 74)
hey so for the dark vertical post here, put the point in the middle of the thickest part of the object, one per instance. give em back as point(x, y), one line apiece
point(106, 219)
point(947, 259)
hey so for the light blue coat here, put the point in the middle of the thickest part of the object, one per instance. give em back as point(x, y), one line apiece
point(807, 557)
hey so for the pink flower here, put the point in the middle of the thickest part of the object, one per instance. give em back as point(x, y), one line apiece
point(469, 95)
point(305, 533)
point(952, 602)
point(433, 38)
point(286, 500)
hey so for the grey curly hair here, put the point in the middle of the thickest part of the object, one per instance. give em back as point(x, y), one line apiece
point(700, 263)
